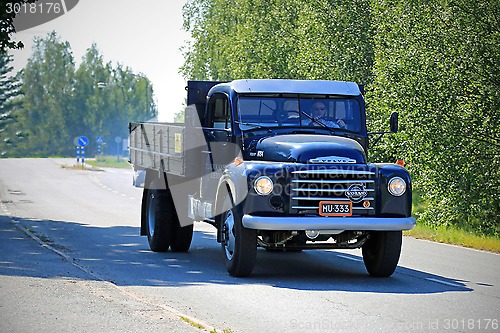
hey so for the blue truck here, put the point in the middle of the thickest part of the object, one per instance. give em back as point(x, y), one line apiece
point(275, 164)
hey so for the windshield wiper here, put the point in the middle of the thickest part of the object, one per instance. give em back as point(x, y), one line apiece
point(254, 126)
point(332, 130)
point(318, 122)
point(248, 124)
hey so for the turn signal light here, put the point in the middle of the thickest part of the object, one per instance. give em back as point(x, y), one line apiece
point(400, 162)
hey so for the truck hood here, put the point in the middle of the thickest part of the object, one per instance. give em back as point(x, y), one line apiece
point(304, 148)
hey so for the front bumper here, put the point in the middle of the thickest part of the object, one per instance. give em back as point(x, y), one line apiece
point(328, 223)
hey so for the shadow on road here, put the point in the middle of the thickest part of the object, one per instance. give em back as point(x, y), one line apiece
point(119, 255)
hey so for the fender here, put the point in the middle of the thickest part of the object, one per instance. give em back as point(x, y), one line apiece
point(389, 205)
point(234, 180)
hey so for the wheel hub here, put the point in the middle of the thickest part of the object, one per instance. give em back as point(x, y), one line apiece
point(151, 214)
point(229, 238)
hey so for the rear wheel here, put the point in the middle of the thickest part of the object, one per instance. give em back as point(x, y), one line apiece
point(162, 223)
point(182, 239)
point(381, 252)
point(239, 244)
point(159, 218)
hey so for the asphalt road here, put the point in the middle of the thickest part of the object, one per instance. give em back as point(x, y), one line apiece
point(71, 259)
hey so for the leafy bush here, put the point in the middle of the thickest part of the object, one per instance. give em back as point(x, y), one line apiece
point(435, 62)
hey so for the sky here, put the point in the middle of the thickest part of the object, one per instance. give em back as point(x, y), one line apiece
point(145, 35)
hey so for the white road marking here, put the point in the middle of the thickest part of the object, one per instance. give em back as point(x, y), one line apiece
point(98, 182)
point(349, 258)
point(445, 282)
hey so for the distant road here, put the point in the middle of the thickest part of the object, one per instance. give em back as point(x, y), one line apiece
point(82, 253)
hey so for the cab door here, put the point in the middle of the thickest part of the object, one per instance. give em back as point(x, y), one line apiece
point(219, 137)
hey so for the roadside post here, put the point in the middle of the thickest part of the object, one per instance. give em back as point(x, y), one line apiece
point(77, 149)
point(83, 141)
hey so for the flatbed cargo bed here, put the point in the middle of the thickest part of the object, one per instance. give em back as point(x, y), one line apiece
point(158, 146)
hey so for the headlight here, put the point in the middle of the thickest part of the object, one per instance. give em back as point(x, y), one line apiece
point(263, 185)
point(397, 186)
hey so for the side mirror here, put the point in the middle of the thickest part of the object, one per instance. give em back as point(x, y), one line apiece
point(394, 128)
point(394, 122)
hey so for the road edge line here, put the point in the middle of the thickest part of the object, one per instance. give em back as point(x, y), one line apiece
point(72, 261)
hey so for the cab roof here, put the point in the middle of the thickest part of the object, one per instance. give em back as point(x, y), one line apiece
point(262, 86)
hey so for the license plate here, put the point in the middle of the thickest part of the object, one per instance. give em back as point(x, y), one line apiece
point(335, 208)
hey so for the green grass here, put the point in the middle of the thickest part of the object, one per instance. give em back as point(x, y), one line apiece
point(75, 167)
point(109, 162)
point(455, 236)
point(199, 326)
point(450, 234)
point(192, 323)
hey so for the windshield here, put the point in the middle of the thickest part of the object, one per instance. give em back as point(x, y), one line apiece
point(256, 111)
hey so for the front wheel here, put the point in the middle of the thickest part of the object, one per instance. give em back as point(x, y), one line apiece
point(239, 244)
point(381, 252)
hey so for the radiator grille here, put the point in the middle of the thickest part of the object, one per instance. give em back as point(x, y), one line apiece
point(309, 187)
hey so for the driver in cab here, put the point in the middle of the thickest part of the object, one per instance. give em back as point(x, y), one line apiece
point(318, 113)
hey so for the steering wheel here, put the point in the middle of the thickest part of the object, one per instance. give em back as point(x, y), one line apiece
point(327, 119)
point(341, 123)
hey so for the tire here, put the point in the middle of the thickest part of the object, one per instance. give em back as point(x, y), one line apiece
point(239, 244)
point(159, 218)
point(381, 252)
point(182, 239)
point(162, 223)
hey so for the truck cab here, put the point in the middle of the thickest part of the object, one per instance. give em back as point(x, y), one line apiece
point(283, 165)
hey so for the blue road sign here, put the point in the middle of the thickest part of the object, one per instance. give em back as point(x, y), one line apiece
point(100, 140)
point(83, 141)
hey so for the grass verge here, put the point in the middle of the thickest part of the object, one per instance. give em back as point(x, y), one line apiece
point(78, 167)
point(199, 326)
point(192, 323)
point(109, 162)
point(450, 234)
point(455, 236)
